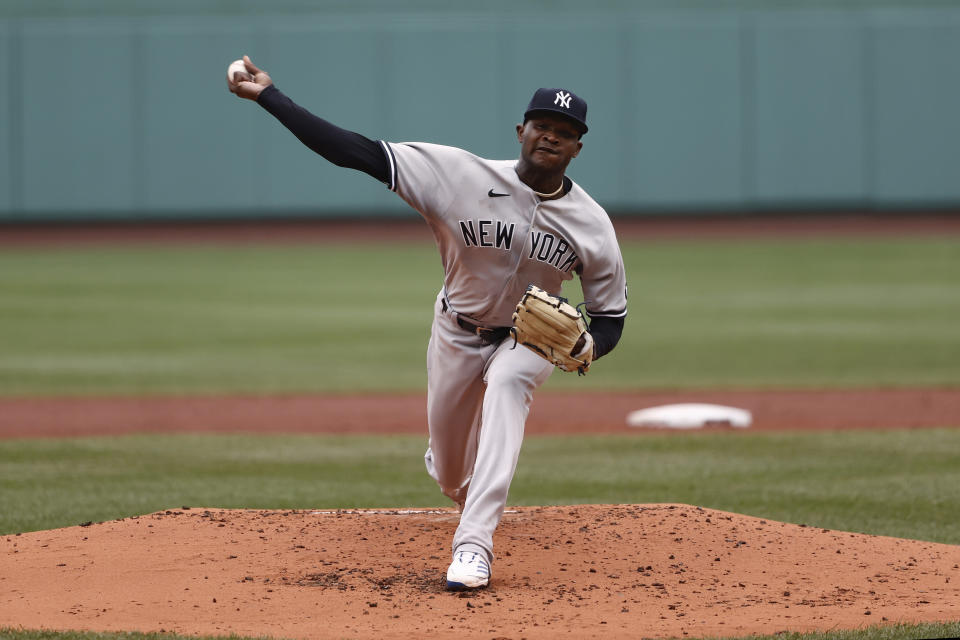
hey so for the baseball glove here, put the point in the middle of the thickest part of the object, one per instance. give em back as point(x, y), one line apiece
point(553, 329)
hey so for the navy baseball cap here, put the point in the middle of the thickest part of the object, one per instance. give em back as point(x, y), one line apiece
point(559, 101)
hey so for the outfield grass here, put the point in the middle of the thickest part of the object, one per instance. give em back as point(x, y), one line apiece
point(802, 313)
point(898, 483)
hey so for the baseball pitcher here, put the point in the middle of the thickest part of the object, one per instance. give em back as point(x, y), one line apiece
point(509, 233)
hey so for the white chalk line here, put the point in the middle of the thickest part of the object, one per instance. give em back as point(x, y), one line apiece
point(391, 512)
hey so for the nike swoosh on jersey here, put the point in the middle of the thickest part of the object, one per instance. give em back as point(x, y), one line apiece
point(496, 195)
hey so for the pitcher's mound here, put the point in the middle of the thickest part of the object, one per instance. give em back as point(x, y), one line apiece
point(623, 571)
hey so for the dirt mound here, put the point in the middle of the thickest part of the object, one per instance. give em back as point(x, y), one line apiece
point(582, 571)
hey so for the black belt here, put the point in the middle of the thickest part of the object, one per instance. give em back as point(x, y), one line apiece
point(487, 335)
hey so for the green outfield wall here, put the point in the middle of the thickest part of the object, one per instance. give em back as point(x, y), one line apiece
point(119, 110)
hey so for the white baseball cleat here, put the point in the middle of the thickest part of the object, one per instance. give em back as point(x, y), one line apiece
point(469, 570)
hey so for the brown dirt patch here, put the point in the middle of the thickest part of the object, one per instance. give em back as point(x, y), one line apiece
point(552, 413)
point(584, 572)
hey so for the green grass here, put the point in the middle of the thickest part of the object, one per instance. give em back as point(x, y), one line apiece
point(889, 632)
point(898, 483)
point(838, 312)
point(159, 320)
point(197, 320)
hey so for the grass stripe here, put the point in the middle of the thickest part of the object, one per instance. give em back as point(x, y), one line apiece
point(903, 483)
point(835, 312)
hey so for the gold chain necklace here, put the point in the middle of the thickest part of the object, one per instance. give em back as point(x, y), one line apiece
point(550, 195)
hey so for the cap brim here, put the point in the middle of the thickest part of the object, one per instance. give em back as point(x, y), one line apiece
point(580, 125)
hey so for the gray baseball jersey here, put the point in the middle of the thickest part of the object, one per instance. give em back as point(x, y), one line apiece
point(496, 236)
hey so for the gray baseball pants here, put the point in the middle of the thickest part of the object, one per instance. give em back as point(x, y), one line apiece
point(478, 398)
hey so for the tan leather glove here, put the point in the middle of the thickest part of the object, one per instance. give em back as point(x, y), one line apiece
point(553, 329)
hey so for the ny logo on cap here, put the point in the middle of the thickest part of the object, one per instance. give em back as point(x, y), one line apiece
point(563, 99)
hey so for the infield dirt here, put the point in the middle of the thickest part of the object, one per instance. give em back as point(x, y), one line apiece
point(599, 571)
point(552, 413)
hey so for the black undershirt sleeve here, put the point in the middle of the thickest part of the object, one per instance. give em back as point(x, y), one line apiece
point(606, 334)
point(341, 147)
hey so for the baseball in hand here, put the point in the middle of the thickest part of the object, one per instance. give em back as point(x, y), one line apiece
point(237, 67)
